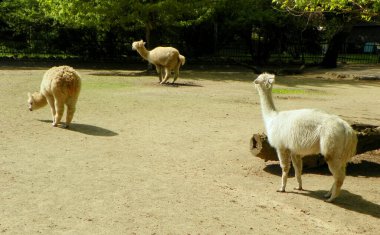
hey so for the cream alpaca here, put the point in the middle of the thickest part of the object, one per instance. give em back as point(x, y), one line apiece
point(298, 133)
point(164, 58)
point(59, 86)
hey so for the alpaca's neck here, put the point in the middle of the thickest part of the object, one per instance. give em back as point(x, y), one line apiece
point(267, 106)
point(39, 100)
point(143, 52)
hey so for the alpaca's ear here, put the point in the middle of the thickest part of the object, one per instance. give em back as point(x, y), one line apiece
point(271, 78)
point(29, 95)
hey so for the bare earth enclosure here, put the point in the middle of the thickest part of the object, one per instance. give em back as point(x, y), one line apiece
point(141, 158)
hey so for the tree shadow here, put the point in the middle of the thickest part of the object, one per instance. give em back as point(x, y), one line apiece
point(124, 73)
point(184, 84)
point(346, 200)
point(145, 73)
point(87, 129)
point(363, 169)
point(310, 77)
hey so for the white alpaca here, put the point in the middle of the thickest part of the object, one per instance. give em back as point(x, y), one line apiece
point(298, 133)
point(59, 86)
point(164, 58)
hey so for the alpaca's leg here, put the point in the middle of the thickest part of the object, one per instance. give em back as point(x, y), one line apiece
point(50, 100)
point(176, 72)
point(283, 156)
point(59, 106)
point(331, 168)
point(167, 75)
point(163, 73)
point(70, 113)
point(338, 170)
point(159, 71)
point(297, 164)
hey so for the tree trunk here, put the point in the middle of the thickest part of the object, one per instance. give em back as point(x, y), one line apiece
point(331, 57)
point(368, 140)
point(148, 30)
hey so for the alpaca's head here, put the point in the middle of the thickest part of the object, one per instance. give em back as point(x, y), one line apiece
point(138, 45)
point(36, 101)
point(264, 81)
point(31, 102)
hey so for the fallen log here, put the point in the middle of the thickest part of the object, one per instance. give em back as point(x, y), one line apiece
point(368, 140)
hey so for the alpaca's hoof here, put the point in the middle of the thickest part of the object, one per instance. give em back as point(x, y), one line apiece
point(281, 190)
point(298, 188)
point(327, 195)
point(330, 200)
point(54, 124)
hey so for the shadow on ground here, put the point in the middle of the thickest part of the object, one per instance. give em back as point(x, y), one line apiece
point(362, 169)
point(88, 129)
point(146, 73)
point(91, 130)
point(179, 84)
point(311, 77)
point(125, 73)
point(346, 200)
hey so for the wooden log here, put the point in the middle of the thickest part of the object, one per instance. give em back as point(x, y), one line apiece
point(261, 148)
point(368, 140)
point(368, 137)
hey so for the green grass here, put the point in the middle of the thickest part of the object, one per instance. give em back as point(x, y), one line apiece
point(286, 91)
point(36, 56)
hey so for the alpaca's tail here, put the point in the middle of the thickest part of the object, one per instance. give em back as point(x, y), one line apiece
point(182, 59)
point(350, 144)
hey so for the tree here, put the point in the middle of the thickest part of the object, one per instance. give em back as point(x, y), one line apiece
point(263, 29)
point(365, 9)
point(341, 14)
point(251, 20)
point(21, 23)
point(127, 14)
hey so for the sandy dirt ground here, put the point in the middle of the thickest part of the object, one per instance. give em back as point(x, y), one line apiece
point(141, 158)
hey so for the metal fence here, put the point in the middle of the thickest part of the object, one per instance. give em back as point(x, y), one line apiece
point(349, 53)
point(40, 49)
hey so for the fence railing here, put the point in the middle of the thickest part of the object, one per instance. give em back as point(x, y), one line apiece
point(350, 53)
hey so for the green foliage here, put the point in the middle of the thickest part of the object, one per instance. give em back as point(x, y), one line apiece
point(101, 28)
point(129, 14)
point(77, 13)
point(364, 9)
point(21, 14)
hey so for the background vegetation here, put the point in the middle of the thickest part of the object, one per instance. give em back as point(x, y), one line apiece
point(259, 30)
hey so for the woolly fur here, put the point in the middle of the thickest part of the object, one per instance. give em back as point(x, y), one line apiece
point(164, 59)
point(298, 133)
point(60, 86)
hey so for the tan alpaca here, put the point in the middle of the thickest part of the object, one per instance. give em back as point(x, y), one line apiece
point(60, 86)
point(164, 58)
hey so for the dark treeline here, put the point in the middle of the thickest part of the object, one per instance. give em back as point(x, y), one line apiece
point(200, 28)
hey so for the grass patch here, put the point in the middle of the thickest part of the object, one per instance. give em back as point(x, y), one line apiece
point(285, 91)
point(37, 56)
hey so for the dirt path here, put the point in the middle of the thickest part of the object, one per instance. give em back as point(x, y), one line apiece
point(147, 159)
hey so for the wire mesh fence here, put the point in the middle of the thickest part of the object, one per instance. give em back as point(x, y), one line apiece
point(256, 54)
